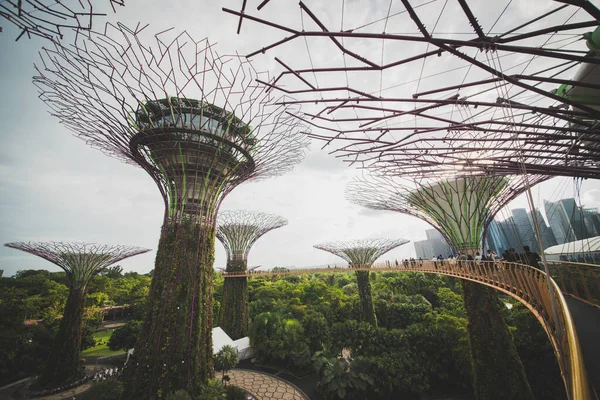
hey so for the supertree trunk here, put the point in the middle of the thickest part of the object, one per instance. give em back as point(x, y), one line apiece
point(64, 363)
point(492, 348)
point(174, 349)
point(367, 309)
point(234, 308)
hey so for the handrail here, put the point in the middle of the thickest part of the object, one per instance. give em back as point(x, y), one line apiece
point(578, 280)
point(522, 282)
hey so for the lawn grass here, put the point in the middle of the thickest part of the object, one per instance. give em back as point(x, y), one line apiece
point(100, 350)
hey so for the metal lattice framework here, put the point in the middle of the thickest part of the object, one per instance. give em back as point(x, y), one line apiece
point(459, 208)
point(238, 230)
point(80, 261)
point(196, 121)
point(199, 124)
point(50, 19)
point(361, 253)
point(516, 93)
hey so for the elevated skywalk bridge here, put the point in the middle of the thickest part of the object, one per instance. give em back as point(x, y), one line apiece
point(566, 306)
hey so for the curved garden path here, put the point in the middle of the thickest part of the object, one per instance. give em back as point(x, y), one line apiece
point(265, 386)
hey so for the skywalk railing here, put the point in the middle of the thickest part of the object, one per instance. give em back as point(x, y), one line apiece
point(578, 280)
point(522, 282)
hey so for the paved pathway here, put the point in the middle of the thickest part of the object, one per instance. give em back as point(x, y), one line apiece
point(265, 386)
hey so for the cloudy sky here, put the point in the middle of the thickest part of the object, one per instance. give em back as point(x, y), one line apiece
point(55, 187)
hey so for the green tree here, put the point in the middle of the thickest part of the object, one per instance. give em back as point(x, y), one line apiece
point(441, 346)
point(316, 330)
point(226, 359)
point(124, 338)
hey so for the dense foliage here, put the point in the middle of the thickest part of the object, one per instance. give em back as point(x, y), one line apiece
point(421, 343)
point(32, 304)
point(306, 324)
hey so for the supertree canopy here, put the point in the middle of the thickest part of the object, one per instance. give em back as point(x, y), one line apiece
point(362, 254)
point(460, 208)
point(238, 231)
point(200, 125)
point(50, 19)
point(81, 262)
point(502, 89)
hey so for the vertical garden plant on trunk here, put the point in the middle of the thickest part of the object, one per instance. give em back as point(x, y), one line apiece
point(238, 231)
point(81, 262)
point(218, 129)
point(361, 254)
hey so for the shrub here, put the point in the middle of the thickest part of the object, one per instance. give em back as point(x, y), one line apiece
point(179, 395)
point(235, 393)
point(213, 390)
point(106, 390)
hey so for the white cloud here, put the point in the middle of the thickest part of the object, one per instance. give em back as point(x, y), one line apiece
point(54, 187)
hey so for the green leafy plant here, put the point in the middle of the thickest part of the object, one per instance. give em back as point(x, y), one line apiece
point(226, 359)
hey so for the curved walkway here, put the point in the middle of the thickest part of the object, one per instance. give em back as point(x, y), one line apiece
point(265, 386)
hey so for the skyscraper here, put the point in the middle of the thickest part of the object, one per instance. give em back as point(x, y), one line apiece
point(592, 221)
point(434, 246)
point(548, 239)
point(510, 233)
point(566, 220)
point(525, 230)
point(438, 243)
point(423, 249)
point(495, 239)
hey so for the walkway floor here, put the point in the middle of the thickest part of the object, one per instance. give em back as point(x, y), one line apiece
point(264, 386)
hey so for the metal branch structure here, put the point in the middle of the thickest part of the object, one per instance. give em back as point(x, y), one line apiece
point(199, 124)
point(460, 208)
point(361, 254)
point(517, 92)
point(238, 231)
point(50, 19)
point(81, 262)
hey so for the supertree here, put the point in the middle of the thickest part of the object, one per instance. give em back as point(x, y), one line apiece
point(217, 130)
point(50, 19)
point(81, 262)
point(512, 97)
point(460, 208)
point(362, 254)
point(238, 231)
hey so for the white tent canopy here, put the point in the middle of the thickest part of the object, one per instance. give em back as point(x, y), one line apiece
point(243, 347)
point(590, 245)
point(220, 339)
